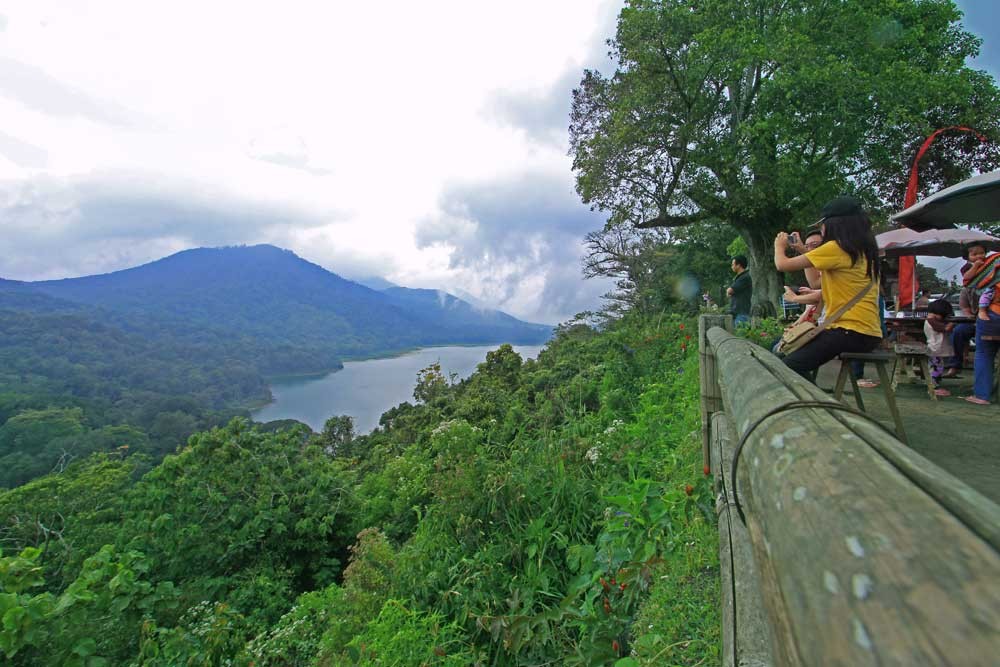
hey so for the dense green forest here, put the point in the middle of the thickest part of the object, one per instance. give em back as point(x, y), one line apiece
point(550, 511)
point(70, 385)
point(145, 357)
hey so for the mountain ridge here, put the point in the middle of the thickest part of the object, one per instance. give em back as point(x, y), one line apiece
point(273, 295)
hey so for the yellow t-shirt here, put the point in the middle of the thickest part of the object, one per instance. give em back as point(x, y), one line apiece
point(841, 282)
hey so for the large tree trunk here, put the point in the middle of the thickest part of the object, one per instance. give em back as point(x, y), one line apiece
point(768, 283)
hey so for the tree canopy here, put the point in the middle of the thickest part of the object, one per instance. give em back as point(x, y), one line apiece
point(755, 113)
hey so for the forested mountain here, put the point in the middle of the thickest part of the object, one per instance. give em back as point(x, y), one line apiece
point(184, 343)
point(276, 297)
point(468, 323)
point(74, 381)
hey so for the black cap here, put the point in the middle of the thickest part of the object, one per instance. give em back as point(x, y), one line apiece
point(842, 206)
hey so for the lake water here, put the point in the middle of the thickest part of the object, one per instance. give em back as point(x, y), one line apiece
point(366, 389)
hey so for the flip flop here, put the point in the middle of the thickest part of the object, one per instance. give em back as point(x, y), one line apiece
point(976, 400)
point(867, 384)
point(942, 392)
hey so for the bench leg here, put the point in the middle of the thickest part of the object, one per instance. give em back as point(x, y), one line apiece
point(838, 389)
point(857, 390)
point(890, 398)
point(926, 370)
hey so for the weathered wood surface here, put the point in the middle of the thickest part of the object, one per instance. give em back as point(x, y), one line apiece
point(711, 396)
point(973, 508)
point(746, 634)
point(868, 554)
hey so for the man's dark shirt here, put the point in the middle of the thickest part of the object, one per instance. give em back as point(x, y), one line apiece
point(739, 303)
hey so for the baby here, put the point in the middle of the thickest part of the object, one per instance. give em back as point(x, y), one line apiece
point(985, 299)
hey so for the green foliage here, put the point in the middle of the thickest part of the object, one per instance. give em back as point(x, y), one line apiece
point(431, 384)
point(294, 641)
point(524, 515)
point(238, 506)
point(368, 583)
point(763, 331)
point(401, 637)
point(737, 247)
point(94, 622)
point(754, 114)
point(34, 442)
point(69, 515)
point(337, 435)
point(207, 635)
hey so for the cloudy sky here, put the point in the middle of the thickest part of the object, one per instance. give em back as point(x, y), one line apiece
point(424, 142)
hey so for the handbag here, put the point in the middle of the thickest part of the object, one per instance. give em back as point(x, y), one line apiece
point(799, 335)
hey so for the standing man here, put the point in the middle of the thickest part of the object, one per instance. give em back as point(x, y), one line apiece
point(740, 292)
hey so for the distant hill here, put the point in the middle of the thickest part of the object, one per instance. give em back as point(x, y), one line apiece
point(465, 322)
point(144, 357)
point(275, 298)
point(375, 283)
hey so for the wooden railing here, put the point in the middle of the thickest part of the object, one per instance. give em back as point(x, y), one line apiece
point(851, 548)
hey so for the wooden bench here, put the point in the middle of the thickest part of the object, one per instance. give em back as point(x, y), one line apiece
point(880, 359)
point(911, 357)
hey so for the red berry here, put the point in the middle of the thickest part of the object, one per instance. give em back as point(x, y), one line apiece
point(689, 489)
point(623, 585)
point(707, 471)
point(604, 584)
point(614, 645)
point(680, 326)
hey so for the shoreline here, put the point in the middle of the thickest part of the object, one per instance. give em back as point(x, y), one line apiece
point(319, 375)
point(391, 355)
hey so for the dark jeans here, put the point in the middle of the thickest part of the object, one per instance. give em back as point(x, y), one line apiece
point(826, 346)
point(986, 351)
point(960, 337)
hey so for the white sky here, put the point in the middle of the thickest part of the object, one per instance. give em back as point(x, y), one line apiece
point(359, 135)
point(421, 142)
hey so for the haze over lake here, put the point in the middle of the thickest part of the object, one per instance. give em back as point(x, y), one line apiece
point(366, 389)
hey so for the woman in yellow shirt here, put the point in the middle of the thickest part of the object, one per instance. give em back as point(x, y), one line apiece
point(848, 260)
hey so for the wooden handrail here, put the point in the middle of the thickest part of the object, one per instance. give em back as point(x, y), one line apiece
point(866, 553)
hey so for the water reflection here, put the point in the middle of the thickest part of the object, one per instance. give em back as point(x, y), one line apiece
point(366, 389)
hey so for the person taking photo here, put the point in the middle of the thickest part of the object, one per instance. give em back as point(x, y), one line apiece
point(849, 273)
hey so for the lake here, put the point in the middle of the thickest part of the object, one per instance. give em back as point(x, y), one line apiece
point(366, 389)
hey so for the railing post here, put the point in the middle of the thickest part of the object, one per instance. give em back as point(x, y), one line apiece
point(711, 394)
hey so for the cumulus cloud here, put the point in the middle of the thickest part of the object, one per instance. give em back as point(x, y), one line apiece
point(518, 242)
point(283, 147)
point(112, 220)
point(22, 153)
point(543, 114)
point(35, 89)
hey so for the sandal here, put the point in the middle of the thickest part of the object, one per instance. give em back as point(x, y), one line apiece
point(976, 400)
point(942, 392)
point(867, 384)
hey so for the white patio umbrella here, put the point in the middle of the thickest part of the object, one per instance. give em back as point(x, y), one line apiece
point(972, 201)
point(933, 242)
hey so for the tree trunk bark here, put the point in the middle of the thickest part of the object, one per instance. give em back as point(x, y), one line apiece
point(768, 283)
